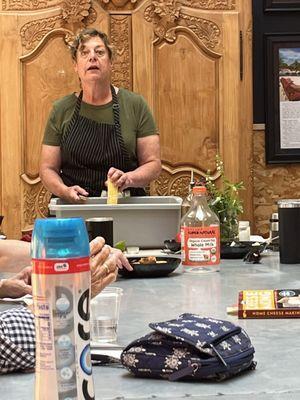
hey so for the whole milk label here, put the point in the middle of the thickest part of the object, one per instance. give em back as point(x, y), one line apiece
point(200, 245)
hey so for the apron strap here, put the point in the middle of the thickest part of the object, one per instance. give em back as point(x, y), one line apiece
point(117, 125)
point(74, 115)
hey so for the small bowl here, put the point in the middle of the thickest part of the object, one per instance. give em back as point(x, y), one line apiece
point(240, 249)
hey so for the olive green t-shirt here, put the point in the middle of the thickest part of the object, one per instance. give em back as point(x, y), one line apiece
point(135, 118)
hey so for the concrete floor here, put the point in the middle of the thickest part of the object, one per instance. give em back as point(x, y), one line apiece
point(148, 300)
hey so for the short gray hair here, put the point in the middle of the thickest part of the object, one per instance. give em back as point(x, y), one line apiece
point(86, 34)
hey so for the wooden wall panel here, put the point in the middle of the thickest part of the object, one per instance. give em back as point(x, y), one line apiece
point(143, 56)
point(10, 124)
point(48, 74)
point(187, 113)
point(197, 54)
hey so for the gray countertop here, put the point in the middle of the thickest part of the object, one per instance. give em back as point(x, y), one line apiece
point(148, 300)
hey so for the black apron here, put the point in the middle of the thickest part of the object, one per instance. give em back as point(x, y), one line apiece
point(89, 149)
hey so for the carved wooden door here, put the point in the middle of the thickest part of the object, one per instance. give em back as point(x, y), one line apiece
point(36, 69)
point(192, 60)
point(184, 57)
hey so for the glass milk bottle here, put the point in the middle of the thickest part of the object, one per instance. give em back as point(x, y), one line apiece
point(200, 236)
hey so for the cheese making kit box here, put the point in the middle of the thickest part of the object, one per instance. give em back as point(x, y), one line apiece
point(140, 221)
point(278, 303)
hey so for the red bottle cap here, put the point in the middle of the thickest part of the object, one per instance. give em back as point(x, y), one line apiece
point(199, 190)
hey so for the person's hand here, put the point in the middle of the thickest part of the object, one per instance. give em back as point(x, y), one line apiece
point(75, 194)
point(122, 260)
point(103, 265)
point(17, 286)
point(119, 178)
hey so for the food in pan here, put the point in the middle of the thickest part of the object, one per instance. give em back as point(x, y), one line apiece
point(149, 260)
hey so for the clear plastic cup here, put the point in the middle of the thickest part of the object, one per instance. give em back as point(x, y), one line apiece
point(105, 310)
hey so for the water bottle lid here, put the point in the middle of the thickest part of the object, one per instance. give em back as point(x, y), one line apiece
point(199, 190)
point(59, 238)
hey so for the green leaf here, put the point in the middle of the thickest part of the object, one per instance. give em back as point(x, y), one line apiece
point(120, 245)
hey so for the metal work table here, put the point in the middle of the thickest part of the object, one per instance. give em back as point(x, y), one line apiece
point(146, 300)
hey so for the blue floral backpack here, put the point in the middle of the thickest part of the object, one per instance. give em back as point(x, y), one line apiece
point(190, 347)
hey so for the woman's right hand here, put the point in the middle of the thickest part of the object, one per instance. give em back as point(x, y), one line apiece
point(75, 194)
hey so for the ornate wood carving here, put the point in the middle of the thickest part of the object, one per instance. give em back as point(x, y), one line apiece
point(36, 200)
point(210, 4)
point(75, 10)
point(73, 16)
point(117, 4)
point(121, 38)
point(271, 183)
point(22, 5)
point(33, 32)
point(175, 181)
point(168, 18)
point(198, 4)
point(91, 17)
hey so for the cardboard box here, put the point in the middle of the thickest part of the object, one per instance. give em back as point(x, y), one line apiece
point(278, 303)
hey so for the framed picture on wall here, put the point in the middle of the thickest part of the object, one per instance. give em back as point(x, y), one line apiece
point(282, 77)
point(281, 5)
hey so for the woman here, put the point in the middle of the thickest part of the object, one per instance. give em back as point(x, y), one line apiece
point(101, 133)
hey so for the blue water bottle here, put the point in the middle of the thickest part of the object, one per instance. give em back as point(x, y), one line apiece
point(61, 292)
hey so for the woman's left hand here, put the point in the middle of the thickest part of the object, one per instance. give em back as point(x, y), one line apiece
point(122, 260)
point(121, 179)
point(104, 263)
point(104, 268)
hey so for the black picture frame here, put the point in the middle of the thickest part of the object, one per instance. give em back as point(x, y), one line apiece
point(282, 103)
point(281, 5)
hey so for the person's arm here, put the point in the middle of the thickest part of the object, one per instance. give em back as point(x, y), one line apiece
point(148, 154)
point(14, 255)
point(50, 163)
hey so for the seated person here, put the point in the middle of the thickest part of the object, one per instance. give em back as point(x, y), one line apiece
point(18, 350)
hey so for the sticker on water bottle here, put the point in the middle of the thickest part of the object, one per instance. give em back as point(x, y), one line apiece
point(200, 245)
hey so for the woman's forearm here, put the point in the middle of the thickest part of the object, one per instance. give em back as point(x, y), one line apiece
point(53, 182)
point(145, 173)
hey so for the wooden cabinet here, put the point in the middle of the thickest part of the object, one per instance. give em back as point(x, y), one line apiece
point(191, 60)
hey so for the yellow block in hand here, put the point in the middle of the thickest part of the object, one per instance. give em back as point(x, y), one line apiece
point(112, 193)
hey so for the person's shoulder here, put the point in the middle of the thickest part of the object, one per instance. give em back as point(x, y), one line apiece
point(128, 95)
point(65, 103)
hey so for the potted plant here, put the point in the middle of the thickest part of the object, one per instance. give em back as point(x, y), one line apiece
point(225, 202)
